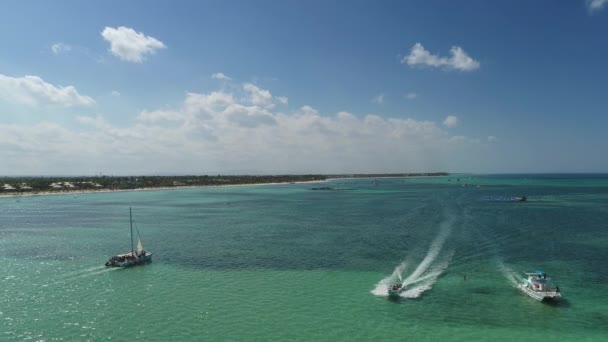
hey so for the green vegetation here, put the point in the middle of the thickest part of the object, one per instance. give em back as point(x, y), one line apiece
point(10, 185)
point(16, 185)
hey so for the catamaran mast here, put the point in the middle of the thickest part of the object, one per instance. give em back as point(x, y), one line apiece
point(131, 222)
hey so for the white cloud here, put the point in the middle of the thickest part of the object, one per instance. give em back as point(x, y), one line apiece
point(282, 99)
point(308, 110)
point(129, 45)
point(160, 115)
point(458, 139)
point(115, 93)
point(207, 104)
point(450, 121)
point(248, 116)
point(411, 96)
point(458, 61)
point(596, 5)
point(257, 96)
point(58, 48)
point(222, 131)
point(492, 138)
point(220, 76)
point(34, 91)
point(378, 99)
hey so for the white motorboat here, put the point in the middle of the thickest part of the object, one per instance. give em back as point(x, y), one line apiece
point(538, 286)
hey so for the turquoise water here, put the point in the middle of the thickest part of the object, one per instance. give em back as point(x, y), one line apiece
point(285, 263)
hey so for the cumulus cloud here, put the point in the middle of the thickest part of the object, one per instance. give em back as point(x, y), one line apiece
point(220, 76)
point(245, 116)
point(596, 5)
point(160, 115)
point(259, 97)
point(222, 131)
point(450, 121)
point(282, 99)
point(459, 60)
point(115, 93)
point(378, 99)
point(207, 104)
point(34, 91)
point(129, 45)
point(58, 48)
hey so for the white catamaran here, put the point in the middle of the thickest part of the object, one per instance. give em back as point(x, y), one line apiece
point(539, 287)
point(135, 256)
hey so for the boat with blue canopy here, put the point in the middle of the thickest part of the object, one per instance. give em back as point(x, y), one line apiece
point(540, 287)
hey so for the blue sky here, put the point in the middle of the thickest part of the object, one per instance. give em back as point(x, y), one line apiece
point(121, 87)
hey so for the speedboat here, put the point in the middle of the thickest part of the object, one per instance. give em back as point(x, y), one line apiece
point(520, 199)
point(538, 286)
point(394, 290)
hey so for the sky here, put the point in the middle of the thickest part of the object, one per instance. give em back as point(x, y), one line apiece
point(295, 87)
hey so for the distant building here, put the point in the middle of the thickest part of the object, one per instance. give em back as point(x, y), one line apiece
point(24, 186)
point(56, 185)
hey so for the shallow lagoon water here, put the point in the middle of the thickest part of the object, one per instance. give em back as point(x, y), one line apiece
point(284, 262)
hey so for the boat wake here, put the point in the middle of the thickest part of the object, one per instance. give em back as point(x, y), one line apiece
point(88, 272)
point(422, 278)
point(509, 274)
point(381, 288)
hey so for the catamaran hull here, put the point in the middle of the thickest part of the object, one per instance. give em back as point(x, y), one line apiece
point(134, 262)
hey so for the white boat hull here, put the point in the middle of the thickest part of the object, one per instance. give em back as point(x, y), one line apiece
point(540, 295)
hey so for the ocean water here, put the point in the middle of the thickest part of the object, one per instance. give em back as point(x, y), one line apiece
point(286, 263)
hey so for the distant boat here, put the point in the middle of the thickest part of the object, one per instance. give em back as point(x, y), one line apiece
point(135, 256)
point(539, 287)
point(520, 199)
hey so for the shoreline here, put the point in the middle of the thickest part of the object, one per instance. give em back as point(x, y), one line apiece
point(93, 191)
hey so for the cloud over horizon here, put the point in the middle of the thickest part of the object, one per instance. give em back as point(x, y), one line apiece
point(34, 91)
point(233, 132)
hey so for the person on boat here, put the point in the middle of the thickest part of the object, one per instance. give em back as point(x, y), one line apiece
point(557, 289)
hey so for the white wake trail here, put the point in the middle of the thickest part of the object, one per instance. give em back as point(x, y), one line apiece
point(511, 275)
point(88, 272)
point(425, 274)
point(425, 282)
point(434, 250)
point(381, 288)
point(105, 270)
